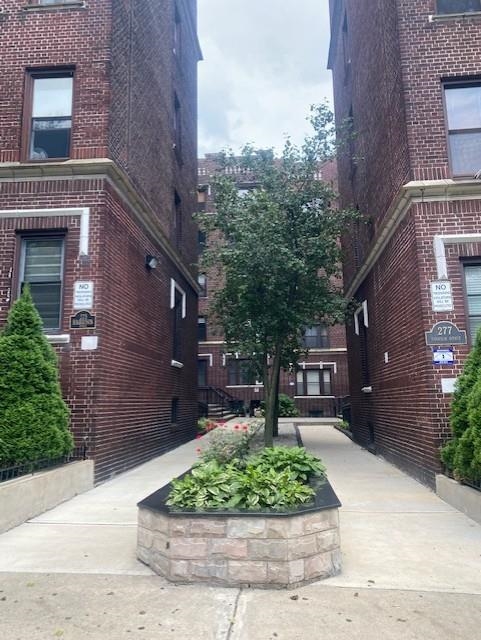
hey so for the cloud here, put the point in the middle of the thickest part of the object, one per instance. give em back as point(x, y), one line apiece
point(264, 65)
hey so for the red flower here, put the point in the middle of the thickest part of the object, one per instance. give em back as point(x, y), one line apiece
point(236, 426)
point(199, 450)
point(245, 427)
point(198, 436)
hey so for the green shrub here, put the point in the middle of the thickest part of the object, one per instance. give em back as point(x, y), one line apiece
point(227, 443)
point(274, 479)
point(296, 460)
point(33, 416)
point(287, 407)
point(459, 417)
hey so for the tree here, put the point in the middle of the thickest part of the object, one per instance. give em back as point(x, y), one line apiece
point(279, 254)
point(459, 418)
point(33, 416)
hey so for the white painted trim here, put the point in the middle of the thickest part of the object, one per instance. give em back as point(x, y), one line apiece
point(313, 397)
point(173, 287)
point(176, 364)
point(365, 313)
point(207, 355)
point(439, 245)
point(442, 17)
point(243, 386)
point(58, 338)
point(320, 365)
point(83, 212)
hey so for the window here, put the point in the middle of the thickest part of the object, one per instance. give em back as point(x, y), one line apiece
point(314, 382)
point(463, 109)
point(458, 6)
point(201, 328)
point(472, 276)
point(174, 411)
point(202, 372)
point(240, 372)
point(177, 346)
point(202, 281)
point(201, 242)
point(316, 337)
point(177, 129)
point(178, 218)
point(41, 267)
point(48, 112)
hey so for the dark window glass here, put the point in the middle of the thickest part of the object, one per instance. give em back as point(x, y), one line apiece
point(316, 337)
point(41, 269)
point(201, 241)
point(202, 328)
point(458, 6)
point(51, 117)
point(240, 372)
point(472, 275)
point(174, 411)
point(178, 218)
point(202, 372)
point(463, 107)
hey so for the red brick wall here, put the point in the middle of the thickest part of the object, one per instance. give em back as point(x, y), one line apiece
point(126, 75)
point(44, 39)
point(398, 62)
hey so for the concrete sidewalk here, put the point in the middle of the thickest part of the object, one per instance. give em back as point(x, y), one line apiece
point(412, 567)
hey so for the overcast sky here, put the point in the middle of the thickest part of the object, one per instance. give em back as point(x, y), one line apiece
point(264, 65)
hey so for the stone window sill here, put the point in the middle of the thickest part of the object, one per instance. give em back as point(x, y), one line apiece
point(58, 338)
point(176, 364)
point(67, 4)
point(440, 17)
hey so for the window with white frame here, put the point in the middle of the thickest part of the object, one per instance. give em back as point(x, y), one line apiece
point(202, 282)
point(314, 382)
point(41, 267)
point(463, 110)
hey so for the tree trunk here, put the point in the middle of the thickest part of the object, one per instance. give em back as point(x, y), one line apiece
point(271, 383)
point(275, 423)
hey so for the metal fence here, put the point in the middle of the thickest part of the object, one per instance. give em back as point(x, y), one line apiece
point(32, 466)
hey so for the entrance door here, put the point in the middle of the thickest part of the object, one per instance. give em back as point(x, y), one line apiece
point(202, 372)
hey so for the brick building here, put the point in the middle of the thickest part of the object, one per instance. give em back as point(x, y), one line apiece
point(408, 75)
point(97, 190)
point(319, 385)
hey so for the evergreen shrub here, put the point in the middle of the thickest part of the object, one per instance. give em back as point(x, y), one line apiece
point(34, 419)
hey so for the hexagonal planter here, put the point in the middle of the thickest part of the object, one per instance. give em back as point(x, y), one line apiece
point(238, 548)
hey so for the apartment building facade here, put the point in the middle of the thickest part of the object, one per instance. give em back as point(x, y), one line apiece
point(318, 386)
point(97, 189)
point(407, 80)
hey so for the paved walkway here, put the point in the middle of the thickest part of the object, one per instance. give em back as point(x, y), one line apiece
point(412, 567)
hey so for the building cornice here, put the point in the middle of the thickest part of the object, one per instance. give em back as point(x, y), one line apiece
point(102, 169)
point(410, 193)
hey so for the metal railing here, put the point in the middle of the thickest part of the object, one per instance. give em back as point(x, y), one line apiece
point(32, 466)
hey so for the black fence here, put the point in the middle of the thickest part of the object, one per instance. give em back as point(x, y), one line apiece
point(31, 467)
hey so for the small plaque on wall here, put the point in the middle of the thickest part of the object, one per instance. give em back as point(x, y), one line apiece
point(82, 320)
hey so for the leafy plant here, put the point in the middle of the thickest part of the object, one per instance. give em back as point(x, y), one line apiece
point(301, 464)
point(274, 479)
point(204, 425)
point(33, 416)
point(287, 407)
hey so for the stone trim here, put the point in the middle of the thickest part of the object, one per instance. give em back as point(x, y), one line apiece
point(103, 169)
point(241, 552)
point(413, 192)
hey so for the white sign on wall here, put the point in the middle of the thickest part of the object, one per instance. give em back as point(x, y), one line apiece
point(83, 295)
point(441, 295)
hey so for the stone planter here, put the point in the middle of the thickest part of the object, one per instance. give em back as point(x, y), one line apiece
point(234, 549)
point(459, 496)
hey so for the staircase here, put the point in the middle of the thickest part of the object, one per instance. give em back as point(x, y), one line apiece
point(218, 404)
